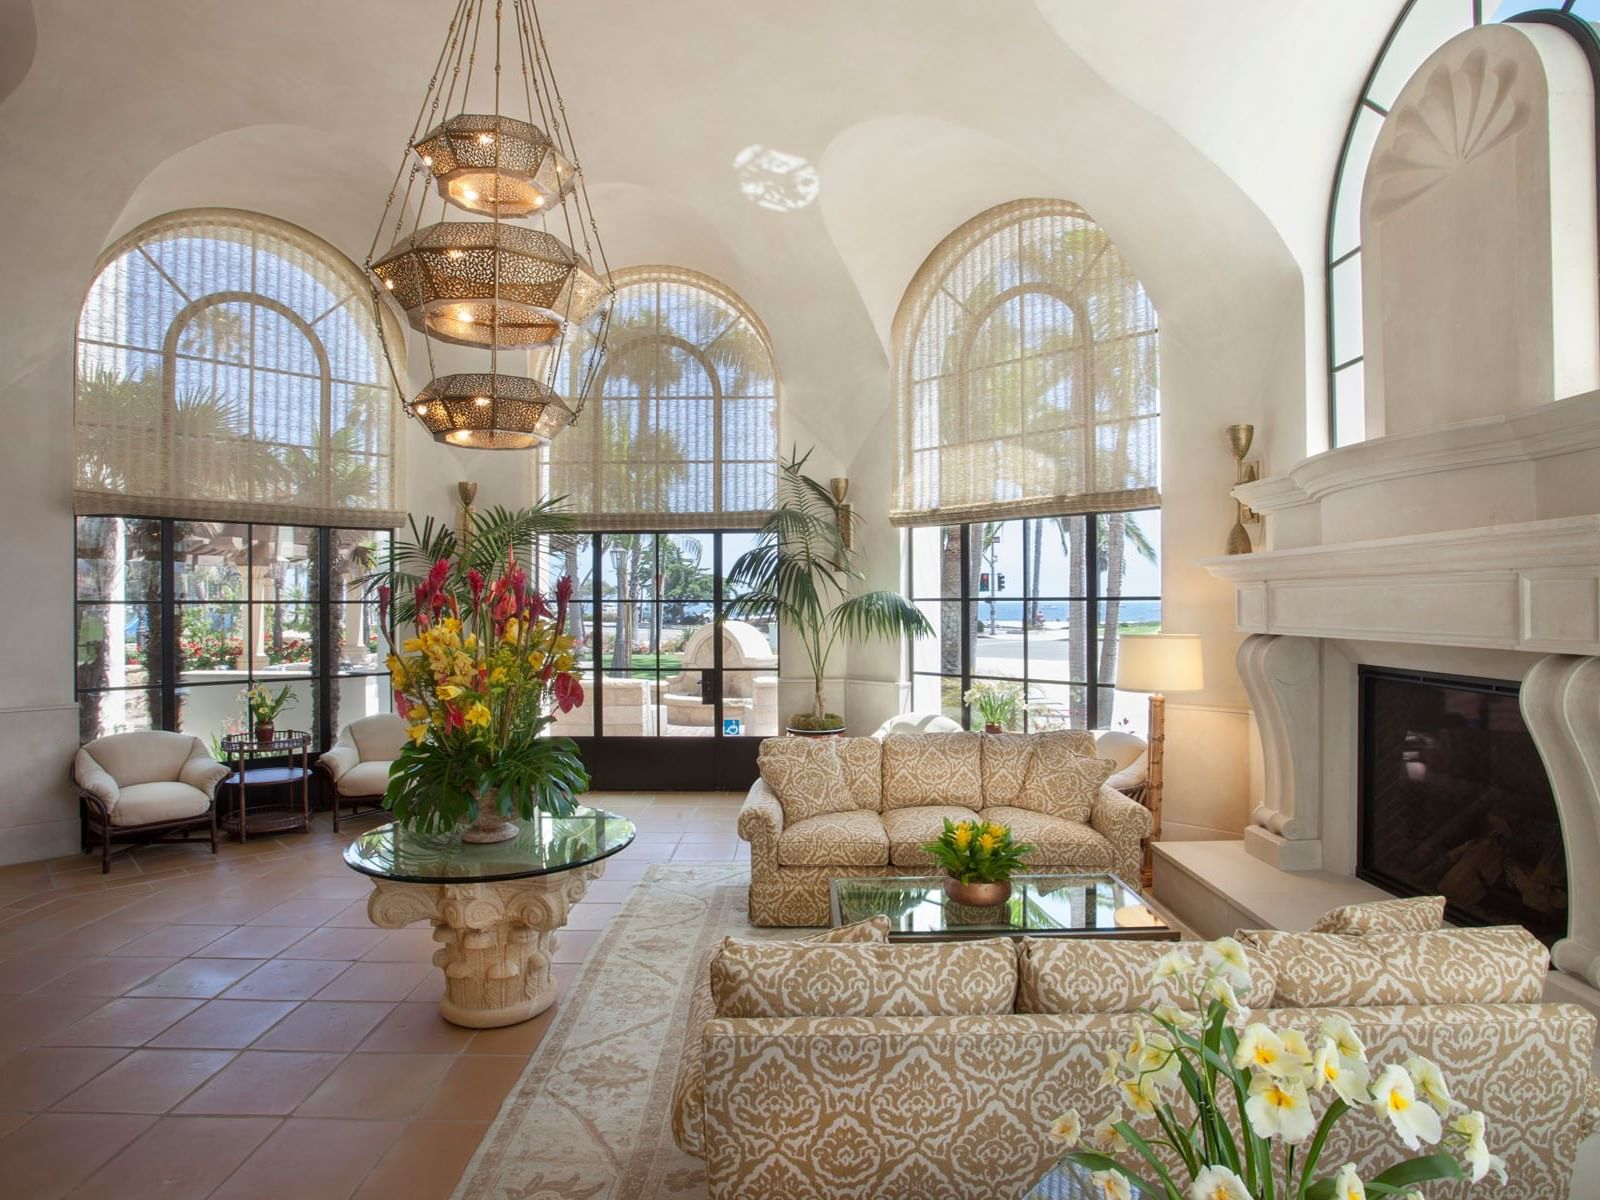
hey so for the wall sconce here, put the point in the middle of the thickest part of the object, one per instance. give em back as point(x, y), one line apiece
point(468, 492)
point(1245, 470)
point(844, 513)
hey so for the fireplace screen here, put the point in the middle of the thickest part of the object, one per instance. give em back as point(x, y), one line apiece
point(1454, 801)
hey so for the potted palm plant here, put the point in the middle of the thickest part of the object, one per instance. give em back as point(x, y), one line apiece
point(803, 568)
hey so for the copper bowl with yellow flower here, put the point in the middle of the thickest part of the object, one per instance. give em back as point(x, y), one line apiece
point(979, 858)
point(978, 895)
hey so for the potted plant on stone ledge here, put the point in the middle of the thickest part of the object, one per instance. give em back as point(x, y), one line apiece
point(802, 569)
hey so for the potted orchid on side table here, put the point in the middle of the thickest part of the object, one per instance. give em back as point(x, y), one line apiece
point(264, 709)
point(1172, 1131)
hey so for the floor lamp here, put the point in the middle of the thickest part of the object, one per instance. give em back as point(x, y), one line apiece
point(1157, 663)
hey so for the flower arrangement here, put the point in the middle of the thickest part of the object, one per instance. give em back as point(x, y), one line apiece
point(1000, 704)
point(1272, 1075)
point(479, 682)
point(979, 857)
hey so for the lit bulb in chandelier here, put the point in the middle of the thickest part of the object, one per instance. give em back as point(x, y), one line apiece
point(485, 139)
point(481, 401)
point(454, 253)
point(464, 315)
point(422, 410)
point(469, 194)
point(389, 283)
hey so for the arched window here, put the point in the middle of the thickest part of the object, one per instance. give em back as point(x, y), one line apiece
point(1026, 373)
point(1420, 29)
point(681, 429)
point(229, 367)
point(1027, 386)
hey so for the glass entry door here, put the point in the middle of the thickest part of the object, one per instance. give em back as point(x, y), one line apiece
point(677, 694)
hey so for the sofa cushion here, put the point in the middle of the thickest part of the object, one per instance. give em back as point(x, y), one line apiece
point(149, 803)
point(806, 776)
point(862, 760)
point(1006, 757)
point(908, 828)
point(1502, 964)
point(1060, 782)
point(848, 839)
point(364, 779)
point(688, 1096)
point(380, 737)
point(1057, 842)
point(145, 756)
point(932, 768)
point(1069, 975)
point(941, 979)
point(1416, 914)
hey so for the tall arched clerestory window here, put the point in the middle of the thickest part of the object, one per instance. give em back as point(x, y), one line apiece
point(236, 473)
point(1026, 376)
point(668, 471)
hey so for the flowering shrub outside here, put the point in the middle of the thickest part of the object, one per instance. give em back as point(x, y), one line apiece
point(210, 650)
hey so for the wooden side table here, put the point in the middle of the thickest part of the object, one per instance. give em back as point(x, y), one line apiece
point(280, 817)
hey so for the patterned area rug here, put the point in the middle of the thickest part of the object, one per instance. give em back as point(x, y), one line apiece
point(591, 1118)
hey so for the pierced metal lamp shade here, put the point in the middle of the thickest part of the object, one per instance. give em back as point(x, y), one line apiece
point(491, 412)
point(497, 166)
point(480, 283)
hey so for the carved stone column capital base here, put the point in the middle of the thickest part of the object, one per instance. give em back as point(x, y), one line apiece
point(495, 939)
point(1287, 854)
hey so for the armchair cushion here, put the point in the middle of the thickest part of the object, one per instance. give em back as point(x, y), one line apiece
point(147, 756)
point(339, 757)
point(849, 839)
point(1415, 914)
point(378, 738)
point(806, 776)
point(202, 772)
point(932, 768)
point(92, 778)
point(1057, 842)
point(152, 803)
point(1062, 782)
point(364, 779)
point(908, 828)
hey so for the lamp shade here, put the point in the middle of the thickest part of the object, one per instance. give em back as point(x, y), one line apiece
point(1159, 662)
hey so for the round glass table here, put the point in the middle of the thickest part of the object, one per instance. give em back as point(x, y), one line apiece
point(494, 908)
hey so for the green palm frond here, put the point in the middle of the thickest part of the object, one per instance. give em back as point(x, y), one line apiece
point(884, 615)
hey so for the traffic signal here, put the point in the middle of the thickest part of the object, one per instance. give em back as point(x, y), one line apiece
point(983, 581)
point(1002, 578)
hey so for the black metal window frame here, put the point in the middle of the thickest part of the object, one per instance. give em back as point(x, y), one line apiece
point(1559, 15)
point(969, 601)
point(165, 686)
point(595, 600)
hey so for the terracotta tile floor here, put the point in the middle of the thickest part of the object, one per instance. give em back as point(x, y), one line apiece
point(190, 1026)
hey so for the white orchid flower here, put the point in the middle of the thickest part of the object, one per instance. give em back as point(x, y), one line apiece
point(1430, 1082)
point(1347, 1184)
point(1218, 1183)
point(1067, 1128)
point(1174, 964)
point(1475, 1153)
point(1220, 989)
point(1140, 1094)
point(1112, 1075)
point(1114, 1185)
point(1105, 1137)
point(1350, 1046)
point(1227, 957)
point(1178, 1018)
point(1279, 1108)
point(1395, 1096)
point(1347, 1077)
point(1261, 1049)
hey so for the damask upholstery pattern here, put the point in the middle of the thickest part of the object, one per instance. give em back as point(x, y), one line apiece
point(1124, 823)
point(1414, 914)
point(775, 979)
point(848, 839)
point(688, 1095)
point(806, 776)
point(896, 1108)
point(1060, 782)
point(862, 760)
point(909, 828)
point(932, 768)
point(1093, 975)
point(1501, 964)
point(1069, 843)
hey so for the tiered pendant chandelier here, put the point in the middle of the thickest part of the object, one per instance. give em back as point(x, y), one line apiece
point(515, 289)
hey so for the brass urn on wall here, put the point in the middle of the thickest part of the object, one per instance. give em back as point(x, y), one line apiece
point(1239, 439)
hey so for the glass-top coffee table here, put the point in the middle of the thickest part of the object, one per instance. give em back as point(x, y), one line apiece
point(1082, 905)
point(494, 908)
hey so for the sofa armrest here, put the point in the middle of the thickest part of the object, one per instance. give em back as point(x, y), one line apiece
point(1125, 824)
point(339, 757)
point(761, 823)
point(91, 777)
point(1589, 1119)
point(201, 771)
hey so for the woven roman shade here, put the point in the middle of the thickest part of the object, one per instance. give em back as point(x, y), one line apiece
point(681, 428)
point(1025, 374)
point(229, 368)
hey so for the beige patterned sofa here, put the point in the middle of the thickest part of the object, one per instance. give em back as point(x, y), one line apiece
point(825, 808)
point(933, 1070)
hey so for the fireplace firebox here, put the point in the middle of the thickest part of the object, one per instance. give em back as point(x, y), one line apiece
point(1455, 801)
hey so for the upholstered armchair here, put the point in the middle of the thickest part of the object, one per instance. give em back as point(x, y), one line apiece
point(145, 787)
point(358, 761)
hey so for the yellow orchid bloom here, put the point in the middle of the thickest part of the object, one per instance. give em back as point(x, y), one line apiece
point(498, 675)
point(478, 714)
point(418, 732)
point(513, 628)
point(412, 645)
point(449, 691)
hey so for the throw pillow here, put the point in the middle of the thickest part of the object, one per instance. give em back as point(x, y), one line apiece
point(1501, 964)
point(1060, 782)
point(1417, 914)
point(921, 769)
point(896, 979)
point(1093, 975)
point(806, 776)
point(862, 761)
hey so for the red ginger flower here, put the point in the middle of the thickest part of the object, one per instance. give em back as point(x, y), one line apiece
point(475, 582)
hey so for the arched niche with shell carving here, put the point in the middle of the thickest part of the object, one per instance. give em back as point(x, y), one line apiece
point(1478, 230)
